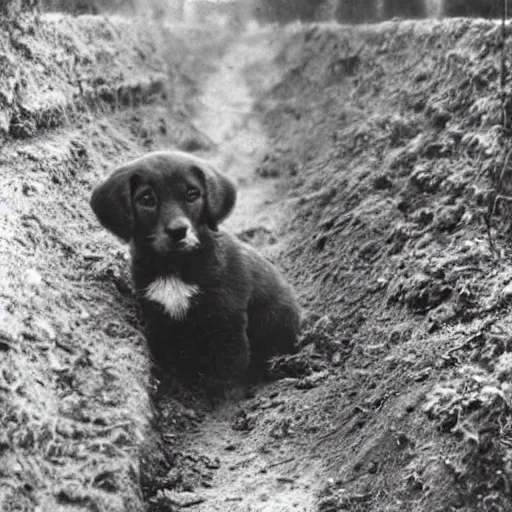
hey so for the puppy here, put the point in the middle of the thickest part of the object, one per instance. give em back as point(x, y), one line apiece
point(212, 306)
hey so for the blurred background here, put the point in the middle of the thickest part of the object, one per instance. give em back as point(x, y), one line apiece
point(239, 12)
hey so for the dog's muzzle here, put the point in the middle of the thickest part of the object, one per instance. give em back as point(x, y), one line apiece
point(181, 235)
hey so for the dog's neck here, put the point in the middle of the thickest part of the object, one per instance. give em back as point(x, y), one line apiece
point(174, 280)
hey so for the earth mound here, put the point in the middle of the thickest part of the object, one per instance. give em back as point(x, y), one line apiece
point(390, 138)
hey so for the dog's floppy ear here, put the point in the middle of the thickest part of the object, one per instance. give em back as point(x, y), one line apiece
point(111, 202)
point(220, 193)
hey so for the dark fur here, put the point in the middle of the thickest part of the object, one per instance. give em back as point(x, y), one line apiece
point(244, 313)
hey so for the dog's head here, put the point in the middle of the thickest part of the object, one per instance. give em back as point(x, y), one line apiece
point(165, 200)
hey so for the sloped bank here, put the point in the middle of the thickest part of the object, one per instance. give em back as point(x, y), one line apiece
point(78, 96)
point(390, 140)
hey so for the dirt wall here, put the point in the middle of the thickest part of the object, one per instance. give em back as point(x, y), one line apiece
point(55, 71)
point(78, 96)
point(390, 141)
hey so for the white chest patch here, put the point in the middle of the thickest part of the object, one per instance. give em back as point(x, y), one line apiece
point(173, 294)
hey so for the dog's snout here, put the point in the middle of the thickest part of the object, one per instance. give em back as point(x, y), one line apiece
point(177, 230)
point(178, 233)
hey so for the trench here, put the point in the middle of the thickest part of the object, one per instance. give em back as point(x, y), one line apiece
point(379, 172)
point(243, 452)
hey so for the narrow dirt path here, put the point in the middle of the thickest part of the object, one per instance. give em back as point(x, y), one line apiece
point(255, 453)
point(226, 119)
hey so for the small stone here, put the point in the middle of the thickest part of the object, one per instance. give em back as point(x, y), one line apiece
point(179, 499)
point(33, 278)
point(4, 441)
point(285, 479)
point(336, 359)
point(32, 188)
point(373, 467)
point(506, 292)
point(54, 363)
point(243, 421)
point(190, 414)
point(46, 328)
point(382, 282)
point(402, 440)
point(84, 315)
point(423, 374)
point(213, 463)
point(305, 384)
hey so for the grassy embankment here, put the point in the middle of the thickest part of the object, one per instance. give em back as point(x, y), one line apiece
point(390, 140)
point(78, 96)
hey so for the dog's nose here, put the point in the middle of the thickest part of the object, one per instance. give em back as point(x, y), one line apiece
point(177, 233)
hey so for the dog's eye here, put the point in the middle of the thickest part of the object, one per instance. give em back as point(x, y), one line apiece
point(148, 200)
point(193, 194)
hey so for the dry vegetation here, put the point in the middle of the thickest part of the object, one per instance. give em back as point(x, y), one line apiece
point(391, 140)
point(77, 97)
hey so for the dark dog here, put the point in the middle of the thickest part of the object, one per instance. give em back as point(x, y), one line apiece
point(213, 307)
